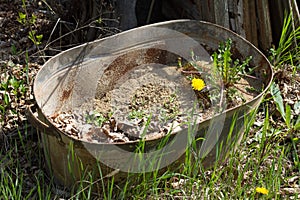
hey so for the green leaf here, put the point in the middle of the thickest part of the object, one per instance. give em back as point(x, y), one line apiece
point(297, 108)
point(31, 36)
point(14, 83)
point(6, 99)
point(275, 92)
point(2, 110)
point(22, 88)
point(22, 18)
point(288, 115)
point(13, 49)
point(39, 38)
point(99, 20)
point(4, 86)
point(33, 19)
point(36, 39)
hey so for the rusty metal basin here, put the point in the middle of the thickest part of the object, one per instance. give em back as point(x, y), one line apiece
point(71, 79)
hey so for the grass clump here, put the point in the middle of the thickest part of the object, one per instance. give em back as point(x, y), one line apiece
point(287, 51)
point(231, 70)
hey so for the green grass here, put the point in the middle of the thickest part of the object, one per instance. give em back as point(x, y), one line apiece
point(260, 161)
point(287, 51)
point(267, 157)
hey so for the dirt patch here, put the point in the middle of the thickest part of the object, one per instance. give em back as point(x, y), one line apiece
point(150, 101)
point(147, 101)
point(153, 97)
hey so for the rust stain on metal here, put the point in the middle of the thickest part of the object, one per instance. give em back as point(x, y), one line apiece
point(125, 63)
point(66, 94)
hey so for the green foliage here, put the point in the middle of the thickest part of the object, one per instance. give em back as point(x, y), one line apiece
point(96, 118)
point(275, 91)
point(22, 18)
point(285, 110)
point(13, 50)
point(136, 114)
point(221, 76)
point(288, 49)
point(27, 21)
point(36, 39)
point(99, 20)
point(30, 22)
point(230, 70)
point(233, 93)
point(10, 86)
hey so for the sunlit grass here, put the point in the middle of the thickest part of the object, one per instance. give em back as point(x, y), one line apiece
point(288, 49)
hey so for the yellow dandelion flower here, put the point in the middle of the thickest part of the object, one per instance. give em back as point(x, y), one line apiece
point(262, 190)
point(198, 84)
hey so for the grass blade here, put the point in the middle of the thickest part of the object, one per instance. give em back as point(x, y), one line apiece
point(288, 115)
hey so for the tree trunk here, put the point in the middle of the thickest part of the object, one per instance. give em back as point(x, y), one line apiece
point(259, 21)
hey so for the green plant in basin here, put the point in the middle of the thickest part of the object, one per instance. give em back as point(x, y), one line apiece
point(231, 70)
